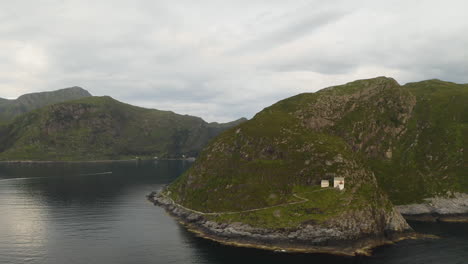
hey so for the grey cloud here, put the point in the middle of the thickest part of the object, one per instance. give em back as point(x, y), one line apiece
point(222, 60)
point(319, 65)
point(291, 31)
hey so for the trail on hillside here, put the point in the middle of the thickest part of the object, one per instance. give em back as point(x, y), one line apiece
point(303, 200)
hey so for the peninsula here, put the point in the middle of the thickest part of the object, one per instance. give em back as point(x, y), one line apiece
point(259, 184)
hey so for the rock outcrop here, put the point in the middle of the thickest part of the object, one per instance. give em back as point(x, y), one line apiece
point(448, 209)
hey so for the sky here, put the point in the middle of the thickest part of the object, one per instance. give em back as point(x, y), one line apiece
point(222, 60)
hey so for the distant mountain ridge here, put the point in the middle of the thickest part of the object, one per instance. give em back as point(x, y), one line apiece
point(9, 109)
point(94, 128)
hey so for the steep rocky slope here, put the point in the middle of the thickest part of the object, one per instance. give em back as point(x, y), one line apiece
point(103, 128)
point(413, 137)
point(428, 158)
point(9, 109)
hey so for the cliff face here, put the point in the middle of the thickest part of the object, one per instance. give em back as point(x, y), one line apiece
point(369, 114)
point(411, 136)
point(266, 172)
point(9, 109)
point(429, 159)
point(103, 128)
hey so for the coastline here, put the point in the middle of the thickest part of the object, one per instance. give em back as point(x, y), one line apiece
point(454, 218)
point(80, 161)
point(59, 161)
point(309, 239)
point(441, 209)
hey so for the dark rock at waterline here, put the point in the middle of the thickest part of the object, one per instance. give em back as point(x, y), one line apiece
point(309, 238)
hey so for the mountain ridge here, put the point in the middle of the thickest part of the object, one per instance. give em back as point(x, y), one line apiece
point(9, 109)
point(93, 128)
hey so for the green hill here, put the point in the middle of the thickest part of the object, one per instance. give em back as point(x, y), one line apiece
point(103, 128)
point(409, 139)
point(9, 109)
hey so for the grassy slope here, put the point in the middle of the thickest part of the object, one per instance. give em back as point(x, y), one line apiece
point(102, 128)
point(430, 158)
point(266, 160)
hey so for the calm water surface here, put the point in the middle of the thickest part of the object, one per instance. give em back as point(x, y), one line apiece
point(66, 213)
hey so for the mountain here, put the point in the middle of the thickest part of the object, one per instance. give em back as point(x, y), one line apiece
point(102, 128)
point(9, 109)
point(258, 184)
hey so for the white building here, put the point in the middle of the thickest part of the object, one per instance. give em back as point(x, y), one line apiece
point(338, 182)
point(325, 183)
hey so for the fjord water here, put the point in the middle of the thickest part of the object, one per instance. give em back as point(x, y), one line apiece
point(98, 213)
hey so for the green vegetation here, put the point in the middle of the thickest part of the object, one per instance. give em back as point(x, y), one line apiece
point(103, 128)
point(321, 205)
point(253, 166)
point(430, 157)
point(409, 139)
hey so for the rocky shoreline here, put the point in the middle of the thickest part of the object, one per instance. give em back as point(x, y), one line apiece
point(453, 209)
point(14, 162)
point(307, 239)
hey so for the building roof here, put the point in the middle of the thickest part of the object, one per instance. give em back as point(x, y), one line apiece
point(338, 178)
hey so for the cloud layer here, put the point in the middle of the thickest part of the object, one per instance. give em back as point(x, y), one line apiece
point(221, 60)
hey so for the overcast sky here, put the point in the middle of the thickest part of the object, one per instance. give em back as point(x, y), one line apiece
point(221, 59)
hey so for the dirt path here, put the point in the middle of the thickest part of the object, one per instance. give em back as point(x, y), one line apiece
point(303, 200)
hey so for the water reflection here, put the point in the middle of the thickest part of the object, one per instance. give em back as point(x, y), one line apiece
point(56, 214)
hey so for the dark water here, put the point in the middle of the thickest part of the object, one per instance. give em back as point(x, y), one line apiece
point(59, 214)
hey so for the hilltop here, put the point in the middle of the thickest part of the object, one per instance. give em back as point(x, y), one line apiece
point(392, 143)
point(96, 128)
point(9, 109)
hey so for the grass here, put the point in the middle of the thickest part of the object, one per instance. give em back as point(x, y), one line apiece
point(322, 205)
point(257, 168)
point(428, 159)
